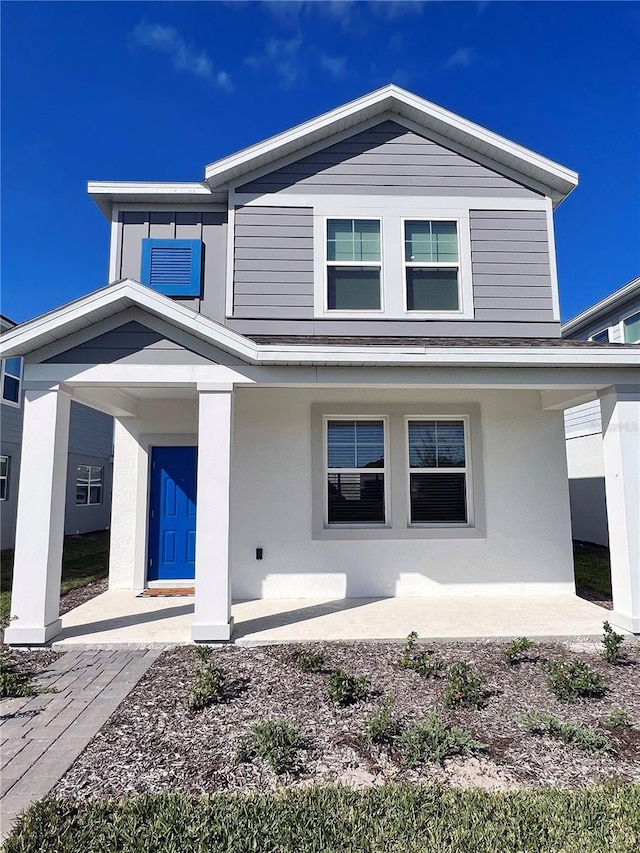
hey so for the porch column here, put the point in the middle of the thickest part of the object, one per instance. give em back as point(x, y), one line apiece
point(621, 450)
point(35, 601)
point(212, 619)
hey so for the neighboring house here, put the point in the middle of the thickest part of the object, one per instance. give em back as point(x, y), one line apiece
point(88, 490)
point(616, 319)
point(348, 337)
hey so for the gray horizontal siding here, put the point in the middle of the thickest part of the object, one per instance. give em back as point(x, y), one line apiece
point(90, 432)
point(132, 343)
point(10, 424)
point(418, 328)
point(273, 262)
point(511, 267)
point(386, 158)
point(583, 419)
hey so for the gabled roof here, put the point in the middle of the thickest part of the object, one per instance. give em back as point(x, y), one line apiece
point(116, 298)
point(610, 303)
point(396, 101)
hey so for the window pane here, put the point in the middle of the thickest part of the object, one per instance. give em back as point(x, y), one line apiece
point(438, 498)
point(431, 242)
point(355, 444)
point(82, 494)
point(450, 435)
point(601, 337)
point(11, 389)
point(4, 466)
point(353, 288)
point(3, 490)
point(12, 366)
point(356, 498)
point(632, 329)
point(422, 444)
point(82, 474)
point(96, 475)
point(95, 494)
point(436, 444)
point(353, 240)
point(432, 289)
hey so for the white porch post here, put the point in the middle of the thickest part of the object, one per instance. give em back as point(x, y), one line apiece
point(621, 450)
point(212, 619)
point(35, 601)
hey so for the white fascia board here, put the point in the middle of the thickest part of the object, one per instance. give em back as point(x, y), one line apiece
point(116, 297)
point(107, 193)
point(396, 100)
point(605, 305)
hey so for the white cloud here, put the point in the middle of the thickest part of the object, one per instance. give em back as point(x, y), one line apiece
point(460, 58)
point(283, 57)
point(335, 65)
point(168, 40)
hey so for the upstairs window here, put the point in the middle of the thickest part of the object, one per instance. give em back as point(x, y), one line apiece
point(432, 265)
point(172, 267)
point(601, 337)
point(89, 479)
point(437, 472)
point(353, 265)
point(631, 326)
point(355, 471)
point(11, 380)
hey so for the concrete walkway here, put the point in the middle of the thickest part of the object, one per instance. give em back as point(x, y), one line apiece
point(42, 736)
point(120, 618)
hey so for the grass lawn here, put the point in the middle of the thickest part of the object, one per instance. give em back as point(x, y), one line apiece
point(592, 567)
point(393, 819)
point(85, 559)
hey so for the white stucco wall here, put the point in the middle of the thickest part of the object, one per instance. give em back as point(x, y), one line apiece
point(523, 544)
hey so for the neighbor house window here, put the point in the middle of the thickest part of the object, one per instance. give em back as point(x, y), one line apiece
point(601, 337)
point(4, 478)
point(355, 471)
point(353, 265)
point(437, 472)
point(631, 326)
point(11, 380)
point(432, 266)
point(89, 480)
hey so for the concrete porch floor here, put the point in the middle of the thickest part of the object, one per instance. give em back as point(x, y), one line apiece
point(120, 618)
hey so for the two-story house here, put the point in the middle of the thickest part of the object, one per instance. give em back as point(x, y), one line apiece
point(615, 319)
point(336, 370)
point(88, 489)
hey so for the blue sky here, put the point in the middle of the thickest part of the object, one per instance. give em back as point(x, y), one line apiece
point(154, 91)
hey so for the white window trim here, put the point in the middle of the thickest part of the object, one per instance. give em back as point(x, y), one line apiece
point(5, 477)
point(623, 320)
point(467, 471)
point(391, 216)
point(351, 312)
point(463, 265)
point(6, 402)
point(91, 484)
point(384, 471)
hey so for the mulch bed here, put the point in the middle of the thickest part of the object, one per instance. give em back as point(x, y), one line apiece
point(76, 597)
point(154, 743)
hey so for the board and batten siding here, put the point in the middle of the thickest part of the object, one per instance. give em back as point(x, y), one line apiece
point(273, 262)
point(208, 226)
point(387, 157)
point(510, 265)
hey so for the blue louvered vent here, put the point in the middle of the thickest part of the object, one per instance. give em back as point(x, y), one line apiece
point(172, 267)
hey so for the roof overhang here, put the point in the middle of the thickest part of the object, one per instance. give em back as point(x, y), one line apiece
point(116, 298)
point(559, 180)
point(107, 193)
point(605, 306)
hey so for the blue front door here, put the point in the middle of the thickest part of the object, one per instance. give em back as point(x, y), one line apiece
point(172, 514)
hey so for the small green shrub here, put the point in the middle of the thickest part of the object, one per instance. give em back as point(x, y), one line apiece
point(618, 718)
point(383, 727)
point(613, 652)
point(575, 678)
point(311, 663)
point(276, 742)
point(464, 687)
point(425, 663)
point(434, 740)
point(210, 686)
point(14, 685)
point(517, 650)
point(345, 689)
point(583, 737)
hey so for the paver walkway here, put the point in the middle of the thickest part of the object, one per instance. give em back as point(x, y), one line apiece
point(41, 736)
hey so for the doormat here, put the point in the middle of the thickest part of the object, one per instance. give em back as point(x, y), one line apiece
point(168, 592)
